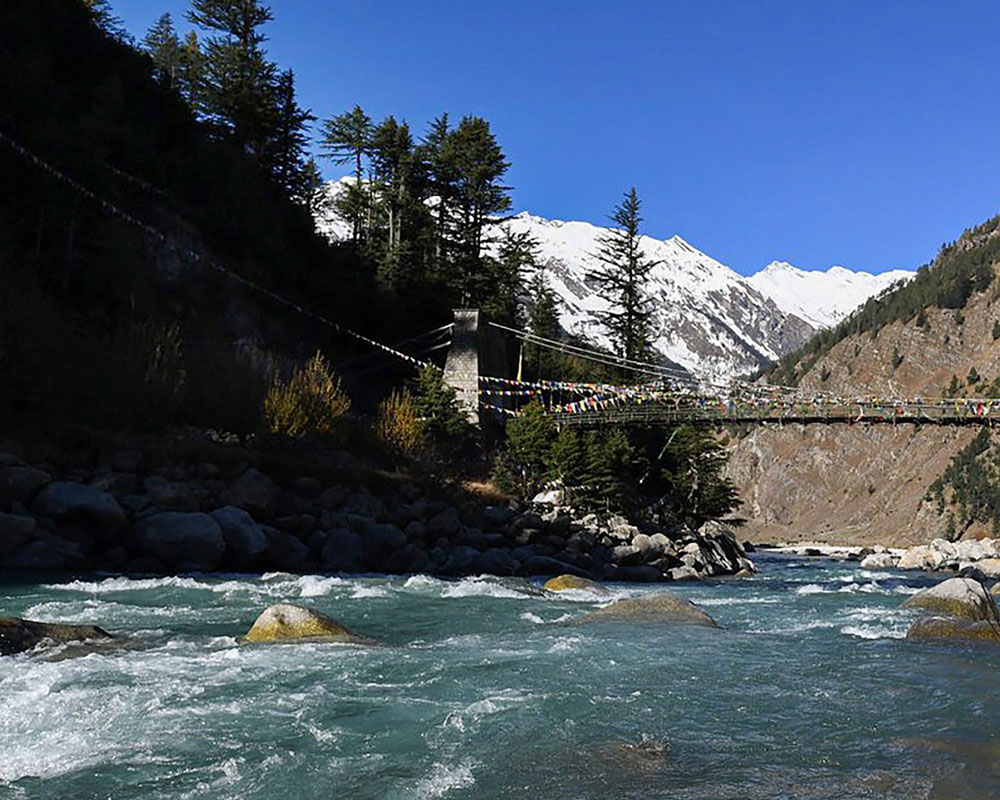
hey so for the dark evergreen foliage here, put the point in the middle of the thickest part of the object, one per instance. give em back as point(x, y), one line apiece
point(620, 278)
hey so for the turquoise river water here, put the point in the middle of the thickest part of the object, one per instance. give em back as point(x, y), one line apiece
point(489, 688)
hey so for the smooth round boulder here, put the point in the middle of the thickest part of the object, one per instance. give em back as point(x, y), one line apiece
point(192, 539)
point(658, 607)
point(21, 635)
point(78, 502)
point(285, 622)
point(957, 597)
point(241, 533)
point(941, 629)
point(563, 583)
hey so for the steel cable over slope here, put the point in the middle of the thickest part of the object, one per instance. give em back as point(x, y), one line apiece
point(201, 258)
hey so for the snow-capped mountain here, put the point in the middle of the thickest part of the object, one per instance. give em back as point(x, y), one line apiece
point(707, 318)
point(821, 298)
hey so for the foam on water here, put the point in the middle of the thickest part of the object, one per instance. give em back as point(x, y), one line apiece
point(476, 695)
point(444, 778)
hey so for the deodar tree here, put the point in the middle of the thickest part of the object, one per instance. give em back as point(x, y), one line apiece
point(620, 277)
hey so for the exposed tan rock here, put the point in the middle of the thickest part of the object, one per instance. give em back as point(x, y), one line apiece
point(563, 582)
point(658, 607)
point(286, 622)
point(953, 629)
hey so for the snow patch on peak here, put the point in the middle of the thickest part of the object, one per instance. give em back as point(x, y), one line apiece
point(822, 297)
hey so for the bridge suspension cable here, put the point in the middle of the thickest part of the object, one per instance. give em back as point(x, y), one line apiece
point(195, 255)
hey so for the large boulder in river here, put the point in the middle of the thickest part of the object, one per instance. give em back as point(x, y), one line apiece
point(562, 583)
point(957, 597)
point(66, 501)
point(20, 635)
point(657, 607)
point(190, 541)
point(936, 629)
point(286, 622)
point(878, 561)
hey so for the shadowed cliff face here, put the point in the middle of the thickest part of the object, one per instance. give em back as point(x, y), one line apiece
point(866, 484)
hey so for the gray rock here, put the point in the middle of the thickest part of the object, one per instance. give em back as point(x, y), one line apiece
point(342, 552)
point(544, 565)
point(306, 486)
point(365, 504)
point(411, 559)
point(640, 573)
point(35, 555)
point(461, 561)
point(378, 542)
point(285, 552)
point(497, 516)
point(332, 497)
point(497, 561)
point(21, 635)
point(684, 573)
point(183, 496)
point(626, 555)
point(241, 533)
point(957, 597)
point(76, 502)
point(878, 561)
point(445, 523)
point(252, 491)
point(190, 539)
point(415, 530)
point(19, 483)
point(15, 530)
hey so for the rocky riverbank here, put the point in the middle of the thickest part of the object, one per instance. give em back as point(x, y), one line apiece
point(939, 555)
point(128, 515)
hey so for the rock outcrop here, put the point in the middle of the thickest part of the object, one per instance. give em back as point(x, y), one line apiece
point(562, 583)
point(658, 607)
point(285, 622)
point(21, 635)
point(963, 598)
point(962, 609)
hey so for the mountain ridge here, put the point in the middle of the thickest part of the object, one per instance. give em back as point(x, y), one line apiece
point(707, 318)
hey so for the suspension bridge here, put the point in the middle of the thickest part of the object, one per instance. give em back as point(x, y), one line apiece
point(478, 359)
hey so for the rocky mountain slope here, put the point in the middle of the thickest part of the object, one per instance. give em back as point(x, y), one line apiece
point(708, 318)
point(867, 483)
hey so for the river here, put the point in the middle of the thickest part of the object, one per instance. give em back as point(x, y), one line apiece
point(489, 688)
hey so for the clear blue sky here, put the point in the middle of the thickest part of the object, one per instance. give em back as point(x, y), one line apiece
point(855, 132)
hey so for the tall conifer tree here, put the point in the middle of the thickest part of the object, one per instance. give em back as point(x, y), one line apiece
point(620, 277)
point(164, 47)
point(346, 139)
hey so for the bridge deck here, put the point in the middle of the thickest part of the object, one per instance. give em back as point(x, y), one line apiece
point(655, 414)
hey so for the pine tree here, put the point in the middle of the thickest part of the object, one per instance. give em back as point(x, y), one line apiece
point(394, 168)
point(568, 464)
point(505, 276)
point(433, 153)
point(347, 138)
point(286, 152)
point(543, 320)
point(620, 278)
point(477, 164)
point(164, 47)
point(190, 74)
point(237, 93)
